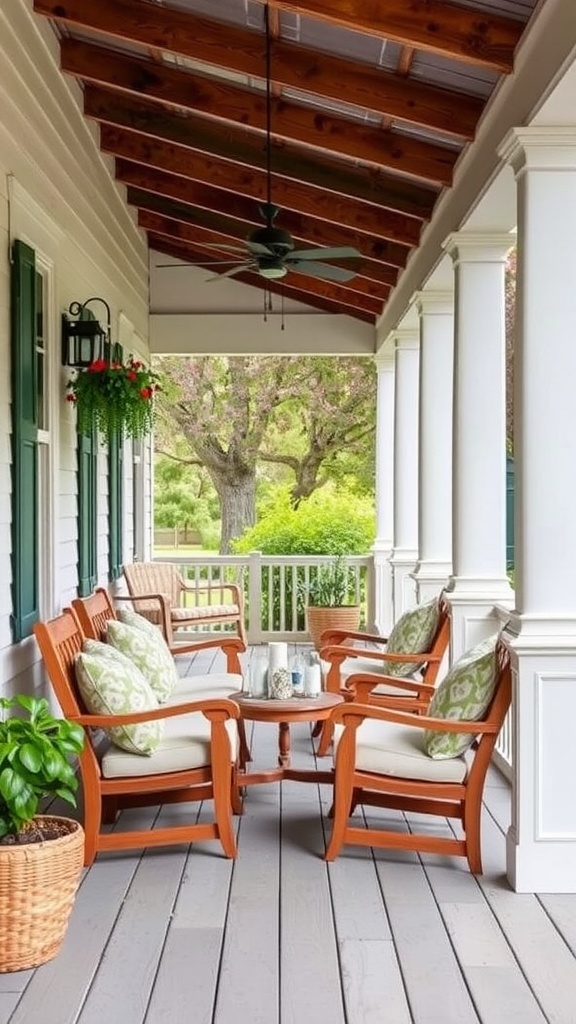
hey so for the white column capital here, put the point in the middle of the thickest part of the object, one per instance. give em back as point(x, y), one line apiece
point(384, 360)
point(479, 246)
point(406, 337)
point(434, 303)
point(545, 148)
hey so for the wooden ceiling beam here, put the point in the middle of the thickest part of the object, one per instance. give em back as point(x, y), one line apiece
point(242, 50)
point(315, 232)
point(215, 99)
point(369, 271)
point(397, 153)
point(247, 209)
point(476, 37)
point(205, 243)
point(307, 290)
point(288, 194)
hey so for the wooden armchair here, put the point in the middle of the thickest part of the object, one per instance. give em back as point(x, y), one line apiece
point(360, 671)
point(380, 762)
point(95, 611)
point(176, 605)
point(212, 765)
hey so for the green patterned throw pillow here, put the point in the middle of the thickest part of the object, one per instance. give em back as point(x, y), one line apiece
point(413, 633)
point(114, 686)
point(149, 653)
point(464, 695)
point(131, 618)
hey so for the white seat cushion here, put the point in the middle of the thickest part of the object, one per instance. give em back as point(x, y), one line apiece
point(203, 687)
point(186, 745)
point(207, 611)
point(390, 749)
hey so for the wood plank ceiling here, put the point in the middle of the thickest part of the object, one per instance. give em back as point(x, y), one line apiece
point(372, 104)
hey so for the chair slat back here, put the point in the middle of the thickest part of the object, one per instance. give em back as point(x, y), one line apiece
point(153, 578)
point(94, 613)
point(60, 640)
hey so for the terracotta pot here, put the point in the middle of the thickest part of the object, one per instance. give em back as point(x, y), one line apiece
point(318, 619)
point(38, 883)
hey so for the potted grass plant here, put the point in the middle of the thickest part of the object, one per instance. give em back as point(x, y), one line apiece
point(330, 600)
point(41, 855)
point(115, 397)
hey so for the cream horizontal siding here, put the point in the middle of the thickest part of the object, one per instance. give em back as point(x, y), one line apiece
point(58, 195)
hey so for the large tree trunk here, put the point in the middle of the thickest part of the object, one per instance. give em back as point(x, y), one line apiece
point(237, 496)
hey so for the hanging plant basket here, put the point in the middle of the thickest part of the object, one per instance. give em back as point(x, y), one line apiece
point(116, 398)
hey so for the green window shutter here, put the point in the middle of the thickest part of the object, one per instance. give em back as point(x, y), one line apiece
point(115, 554)
point(25, 597)
point(87, 512)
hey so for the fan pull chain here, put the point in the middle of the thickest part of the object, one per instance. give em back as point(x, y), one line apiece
point(282, 325)
point(268, 113)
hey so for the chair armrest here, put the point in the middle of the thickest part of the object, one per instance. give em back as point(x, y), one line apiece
point(362, 684)
point(206, 588)
point(337, 636)
point(354, 714)
point(219, 707)
point(339, 653)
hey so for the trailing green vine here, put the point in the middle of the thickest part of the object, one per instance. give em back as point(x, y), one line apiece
point(116, 398)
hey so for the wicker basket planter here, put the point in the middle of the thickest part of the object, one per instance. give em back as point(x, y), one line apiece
point(38, 883)
point(319, 618)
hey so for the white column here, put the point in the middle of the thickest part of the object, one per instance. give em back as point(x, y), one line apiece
point(405, 551)
point(480, 581)
point(434, 567)
point(383, 592)
point(542, 630)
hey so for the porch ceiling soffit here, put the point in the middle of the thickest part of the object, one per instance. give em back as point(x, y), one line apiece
point(542, 59)
point(371, 110)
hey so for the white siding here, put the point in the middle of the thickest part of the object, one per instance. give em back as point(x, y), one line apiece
point(57, 195)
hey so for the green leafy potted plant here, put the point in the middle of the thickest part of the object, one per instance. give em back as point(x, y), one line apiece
point(115, 397)
point(330, 601)
point(41, 856)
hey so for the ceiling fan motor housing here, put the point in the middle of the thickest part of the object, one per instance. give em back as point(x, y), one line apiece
point(276, 239)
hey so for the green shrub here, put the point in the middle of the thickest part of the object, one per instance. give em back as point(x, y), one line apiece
point(327, 523)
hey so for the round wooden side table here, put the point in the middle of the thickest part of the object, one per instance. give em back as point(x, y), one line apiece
point(284, 712)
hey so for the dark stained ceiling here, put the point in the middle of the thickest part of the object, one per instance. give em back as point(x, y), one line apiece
point(372, 104)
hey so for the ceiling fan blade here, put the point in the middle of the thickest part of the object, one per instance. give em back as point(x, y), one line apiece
point(258, 249)
point(314, 269)
point(345, 252)
point(230, 273)
point(203, 263)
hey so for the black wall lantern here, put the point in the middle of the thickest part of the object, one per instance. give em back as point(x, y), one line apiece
point(83, 338)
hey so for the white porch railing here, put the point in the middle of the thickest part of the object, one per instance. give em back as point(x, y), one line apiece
point(275, 588)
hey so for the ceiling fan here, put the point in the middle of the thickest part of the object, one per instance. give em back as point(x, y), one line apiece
point(269, 251)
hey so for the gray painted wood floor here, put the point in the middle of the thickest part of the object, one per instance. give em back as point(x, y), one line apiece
point(182, 935)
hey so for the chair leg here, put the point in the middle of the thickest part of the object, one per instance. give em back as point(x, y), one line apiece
point(325, 739)
point(471, 823)
point(222, 787)
point(92, 824)
point(245, 752)
point(343, 794)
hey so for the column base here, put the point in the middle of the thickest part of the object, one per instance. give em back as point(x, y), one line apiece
point(403, 562)
point(541, 843)
point(430, 578)
point(542, 867)
point(478, 607)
